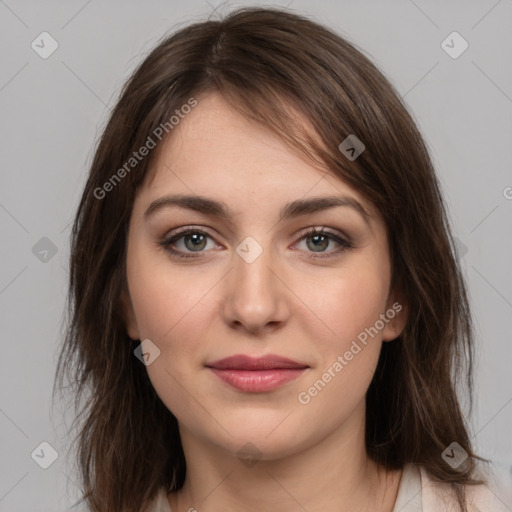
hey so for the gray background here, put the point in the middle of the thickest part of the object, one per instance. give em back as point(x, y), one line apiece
point(54, 109)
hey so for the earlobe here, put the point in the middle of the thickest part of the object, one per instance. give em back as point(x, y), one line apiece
point(128, 314)
point(396, 315)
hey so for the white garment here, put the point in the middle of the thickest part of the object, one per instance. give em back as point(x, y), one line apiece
point(417, 492)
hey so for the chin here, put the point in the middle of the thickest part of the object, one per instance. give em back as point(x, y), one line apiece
point(268, 439)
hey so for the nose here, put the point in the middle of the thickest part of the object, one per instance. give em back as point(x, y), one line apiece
point(256, 296)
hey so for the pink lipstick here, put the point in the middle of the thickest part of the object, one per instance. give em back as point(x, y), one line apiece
point(256, 375)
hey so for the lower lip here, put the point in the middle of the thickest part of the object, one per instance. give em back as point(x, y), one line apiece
point(256, 381)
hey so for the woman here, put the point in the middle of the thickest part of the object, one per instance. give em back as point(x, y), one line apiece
point(264, 295)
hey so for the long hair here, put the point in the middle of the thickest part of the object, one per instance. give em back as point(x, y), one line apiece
point(267, 63)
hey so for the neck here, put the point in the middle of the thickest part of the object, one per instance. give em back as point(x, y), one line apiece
point(333, 475)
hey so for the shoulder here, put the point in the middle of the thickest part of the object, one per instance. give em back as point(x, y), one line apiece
point(494, 495)
point(160, 503)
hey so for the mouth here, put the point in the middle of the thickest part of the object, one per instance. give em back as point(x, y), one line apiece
point(256, 375)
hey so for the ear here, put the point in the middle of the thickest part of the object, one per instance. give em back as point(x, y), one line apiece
point(396, 316)
point(129, 316)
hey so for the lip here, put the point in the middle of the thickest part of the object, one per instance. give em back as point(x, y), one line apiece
point(256, 375)
point(266, 362)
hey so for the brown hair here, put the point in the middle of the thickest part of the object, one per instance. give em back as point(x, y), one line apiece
point(268, 63)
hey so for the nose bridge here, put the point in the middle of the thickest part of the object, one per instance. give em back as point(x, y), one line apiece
point(254, 295)
point(252, 261)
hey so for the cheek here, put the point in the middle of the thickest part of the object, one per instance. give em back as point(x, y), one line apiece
point(165, 298)
point(171, 311)
point(349, 306)
point(348, 353)
point(348, 301)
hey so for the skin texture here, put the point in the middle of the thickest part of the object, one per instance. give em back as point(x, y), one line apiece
point(202, 309)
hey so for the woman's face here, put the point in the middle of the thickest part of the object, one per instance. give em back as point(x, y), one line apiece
point(249, 283)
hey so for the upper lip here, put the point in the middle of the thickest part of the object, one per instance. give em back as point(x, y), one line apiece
point(244, 362)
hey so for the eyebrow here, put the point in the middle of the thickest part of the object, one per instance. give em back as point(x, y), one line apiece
point(211, 207)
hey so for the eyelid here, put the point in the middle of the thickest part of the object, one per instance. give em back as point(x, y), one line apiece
point(338, 236)
point(301, 233)
point(323, 230)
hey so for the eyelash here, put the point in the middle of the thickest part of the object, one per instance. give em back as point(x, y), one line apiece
point(169, 241)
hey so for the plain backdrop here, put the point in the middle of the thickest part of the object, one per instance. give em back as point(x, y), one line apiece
point(53, 110)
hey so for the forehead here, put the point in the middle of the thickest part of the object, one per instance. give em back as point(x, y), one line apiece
point(217, 152)
point(216, 141)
